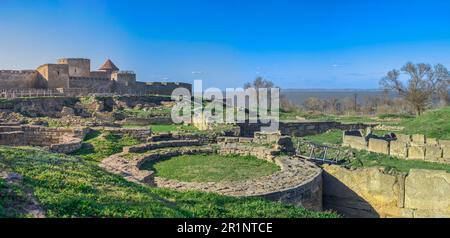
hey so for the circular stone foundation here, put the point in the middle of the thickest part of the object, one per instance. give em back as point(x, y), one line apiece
point(211, 168)
point(297, 182)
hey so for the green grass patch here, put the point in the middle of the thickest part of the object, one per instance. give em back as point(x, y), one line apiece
point(173, 128)
point(67, 186)
point(98, 146)
point(12, 200)
point(433, 124)
point(212, 168)
point(330, 137)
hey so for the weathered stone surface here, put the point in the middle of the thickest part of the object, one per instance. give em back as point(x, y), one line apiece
point(432, 141)
point(416, 152)
point(361, 193)
point(418, 139)
point(444, 142)
point(428, 190)
point(433, 153)
point(404, 138)
point(399, 149)
point(446, 152)
point(355, 142)
point(378, 146)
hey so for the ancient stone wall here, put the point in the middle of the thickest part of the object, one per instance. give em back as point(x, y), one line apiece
point(77, 67)
point(103, 85)
point(55, 75)
point(60, 140)
point(371, 192)
point(416, 147)
point(18, 79)
point(301, 129)
point(141, 134)
point(163, 88)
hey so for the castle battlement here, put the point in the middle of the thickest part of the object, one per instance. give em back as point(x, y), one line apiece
point(75, 73)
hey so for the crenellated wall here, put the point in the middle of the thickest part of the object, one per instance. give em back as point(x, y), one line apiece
point(18, 79)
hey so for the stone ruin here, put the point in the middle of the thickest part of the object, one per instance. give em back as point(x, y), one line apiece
point(416, 147)
point(58, 140)
point(298, 182)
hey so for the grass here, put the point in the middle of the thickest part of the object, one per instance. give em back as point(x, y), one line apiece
point(367, 159)
point(98, 146)
point(433, 124)
point(212, 168)
point(173, 128)
point(333, 137)
point(12, 199)
point(67, 186)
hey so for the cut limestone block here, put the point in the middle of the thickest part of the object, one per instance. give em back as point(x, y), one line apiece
point(432, 141)
point(444, 142)
point(378, 146)
point(418, 139)
point(399, 149)
point(355, 142)
point(416, 152)
point(433, 153)
point(404, 138)
point(446, 152)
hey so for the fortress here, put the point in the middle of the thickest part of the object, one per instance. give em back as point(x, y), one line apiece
point(71, 75)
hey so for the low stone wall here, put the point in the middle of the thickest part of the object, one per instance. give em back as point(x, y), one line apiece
point(141, 134)
point(146, 121)
point(162, 144)
point(60, 140)
point(371, 192)
point(416, 147)
point(300, 129)
point(269, 141)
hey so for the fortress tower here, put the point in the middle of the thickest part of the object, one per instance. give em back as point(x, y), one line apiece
point(72, 74)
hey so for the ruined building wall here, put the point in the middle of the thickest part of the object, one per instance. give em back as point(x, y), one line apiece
point(18, 79)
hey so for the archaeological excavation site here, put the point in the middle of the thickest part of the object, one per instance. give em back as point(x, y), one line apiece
point(71, 156)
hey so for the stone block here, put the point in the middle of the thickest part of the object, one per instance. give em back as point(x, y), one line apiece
point(416, 152)
point(355, 142)
point(418, 139)
point(445, 152)
point(379, 146)
point(444, 142)
point(399, 149)
point(433, 153)
point(427, 190)
point(404, 138)
point(432, 141)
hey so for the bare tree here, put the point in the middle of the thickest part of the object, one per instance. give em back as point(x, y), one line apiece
point(423, 82)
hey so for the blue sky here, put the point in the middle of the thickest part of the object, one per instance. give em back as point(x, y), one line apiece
point(296, 44)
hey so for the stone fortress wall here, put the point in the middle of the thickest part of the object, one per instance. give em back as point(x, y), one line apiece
point(417, 147)
point(71, 74)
